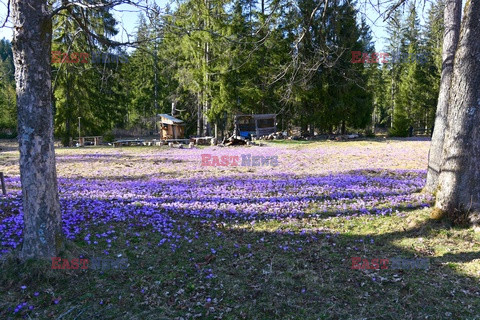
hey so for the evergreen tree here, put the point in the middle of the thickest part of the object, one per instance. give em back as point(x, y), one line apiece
point(8, 116)
point(85, 80)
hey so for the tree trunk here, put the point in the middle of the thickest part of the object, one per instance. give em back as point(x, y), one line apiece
point(66, 137)
point(459, 180)
point(68, 118)
point(392, 93)
point(199, 116)
point(42, 234)
point(206, 97)
point(452, 15)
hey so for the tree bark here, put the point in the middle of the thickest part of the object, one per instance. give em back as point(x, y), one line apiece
point(452, 15)
point(68, 119)
point(199, 116)
point(42, 234)
point(459, 180)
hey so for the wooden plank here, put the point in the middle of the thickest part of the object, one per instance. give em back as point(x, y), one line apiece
point(178, 140)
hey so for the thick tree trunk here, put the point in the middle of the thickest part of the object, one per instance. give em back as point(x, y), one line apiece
point(452, 15)
point(42, 234)
point(459, 181)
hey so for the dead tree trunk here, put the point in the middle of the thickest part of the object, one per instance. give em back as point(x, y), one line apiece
point(459, 180)
point(452, 14)
point(42, 234)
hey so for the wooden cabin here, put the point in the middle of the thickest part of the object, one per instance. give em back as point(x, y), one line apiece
point(171, 127)
point(255, 125)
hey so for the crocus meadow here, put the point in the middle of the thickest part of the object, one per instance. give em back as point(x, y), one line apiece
point(163, 190)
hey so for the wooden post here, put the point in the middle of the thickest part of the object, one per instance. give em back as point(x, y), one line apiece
point(2, 179)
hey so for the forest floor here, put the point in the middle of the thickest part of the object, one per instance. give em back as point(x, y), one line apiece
point(243, 242)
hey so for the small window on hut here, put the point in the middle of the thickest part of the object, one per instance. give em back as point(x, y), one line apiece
point(266, 123)
point(246, 124)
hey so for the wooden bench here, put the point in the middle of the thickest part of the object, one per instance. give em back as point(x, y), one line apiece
point(421, 131)
point(201, 140)
point(185, 141)
point(97, 140)
point(120, 143)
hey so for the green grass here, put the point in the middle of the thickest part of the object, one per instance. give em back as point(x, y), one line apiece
point(256, 279)
point(253, 276)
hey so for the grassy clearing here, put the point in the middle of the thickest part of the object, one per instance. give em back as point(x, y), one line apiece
point(287, 269)
point(263, 271)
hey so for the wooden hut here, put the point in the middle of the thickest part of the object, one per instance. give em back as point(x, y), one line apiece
point(255, 125)
point(171, 127)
